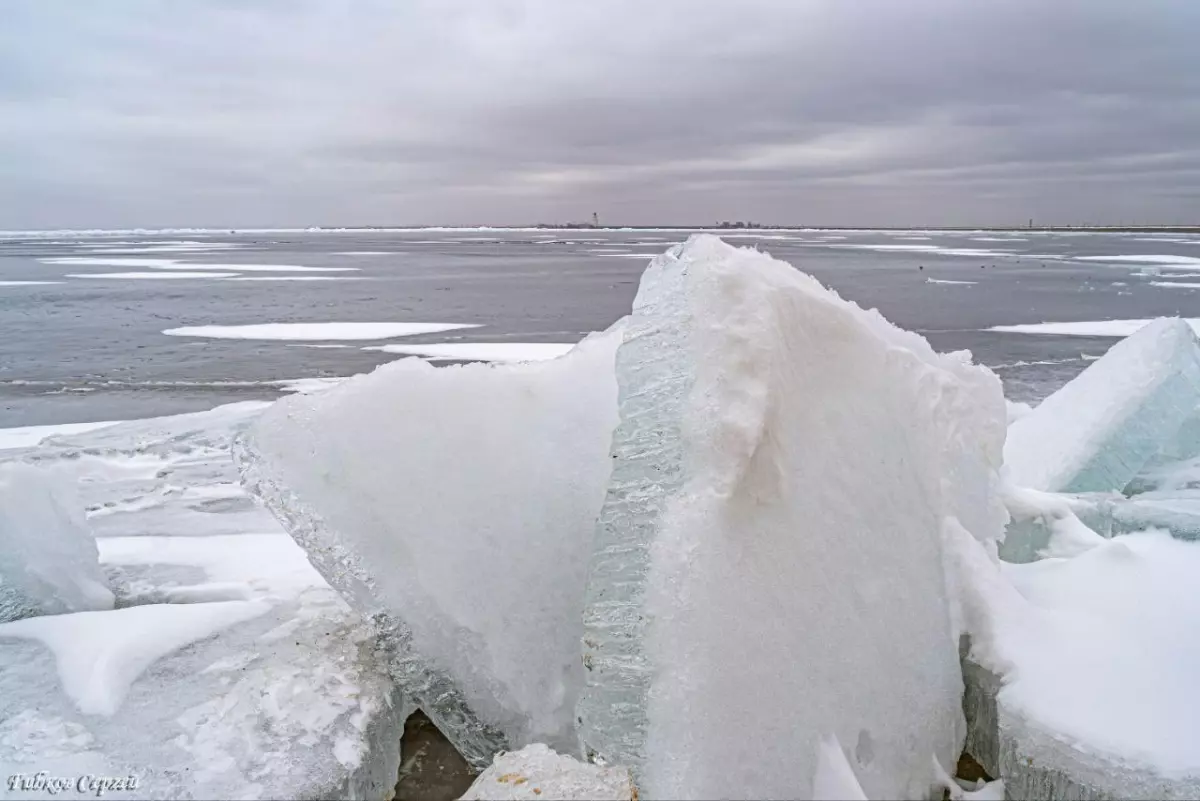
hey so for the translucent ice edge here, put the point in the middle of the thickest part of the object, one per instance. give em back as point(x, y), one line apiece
point(434, 691)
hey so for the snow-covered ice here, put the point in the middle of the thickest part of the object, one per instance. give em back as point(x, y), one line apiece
point(28, 283)
point(947, 281)
point(176, 264)
point(300, 278)
point(314, 331)
point(29, 436)
point(1175, 284)
point(232, 670)
point(1097, 432)
point(1090, 328)
point(537, 772)
point(758, 484)
point(482, 351)
point(1165, 260)
point(140, 276)
point(48, 559)
point(455, 507)
point(1081, 669)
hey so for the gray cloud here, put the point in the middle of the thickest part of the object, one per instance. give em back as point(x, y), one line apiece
point(872, 112)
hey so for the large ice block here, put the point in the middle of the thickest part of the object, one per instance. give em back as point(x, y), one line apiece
point(455, 507)
point(48, 559)
point(1080, 675)
point(1099, 431)
point(768, 567)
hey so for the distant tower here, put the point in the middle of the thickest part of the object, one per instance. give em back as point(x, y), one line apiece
point(595, 219)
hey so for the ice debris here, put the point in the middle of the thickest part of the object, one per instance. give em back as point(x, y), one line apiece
point(776, 445)
point(1100, 430)
point(537, 772)
point(454, 507)
point(48, 559)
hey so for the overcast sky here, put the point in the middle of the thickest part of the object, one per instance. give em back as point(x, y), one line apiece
point(143, 113)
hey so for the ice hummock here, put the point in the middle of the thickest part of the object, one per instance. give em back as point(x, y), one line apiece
point(1100, 430)
point(48, 559)
point(777, 447)
point(455, 507)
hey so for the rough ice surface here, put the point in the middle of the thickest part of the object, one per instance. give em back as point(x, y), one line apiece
point(454, 506)
point(776, 445)
point(1100, 430)
point(1080, 674)
point(537, 772)
point(48, 559)
point(230, 668)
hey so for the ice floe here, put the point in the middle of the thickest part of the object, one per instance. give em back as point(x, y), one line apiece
point(1089, 328)
point(138, 276)
point(315, 331)
point(482, 351)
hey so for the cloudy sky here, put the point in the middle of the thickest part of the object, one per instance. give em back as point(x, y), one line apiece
point(121, 113)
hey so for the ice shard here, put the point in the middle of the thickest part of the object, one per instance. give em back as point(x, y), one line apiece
point(48, 558)
point(768, 565)
point(1101, 429)
point(455, 507)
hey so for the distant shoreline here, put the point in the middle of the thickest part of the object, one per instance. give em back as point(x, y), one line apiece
point(1132, 229)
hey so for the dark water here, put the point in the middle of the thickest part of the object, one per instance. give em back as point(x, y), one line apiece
point(92, 349)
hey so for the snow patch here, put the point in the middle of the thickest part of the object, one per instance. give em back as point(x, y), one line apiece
point(483, 351)
point(315, 331)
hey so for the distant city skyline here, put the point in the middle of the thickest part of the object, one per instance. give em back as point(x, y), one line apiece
point(295, 113)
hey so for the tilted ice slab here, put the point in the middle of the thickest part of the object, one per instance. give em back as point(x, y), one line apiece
point(454, 506)
point(1080, 676)
point(1096, 433)
point(232, 670)
point(48, 559)
point(768, 564)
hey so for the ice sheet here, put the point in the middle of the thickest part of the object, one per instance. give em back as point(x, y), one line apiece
point(1161, 260)
point(455, 506)
point(314, 331)
point(483, 351)
point(291, 703)
point(758, 483)
point(28, 436)
point(176, 264)
point(1099, 431)
point(1091, 328)
point(179, 276)
point(1091, 667)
